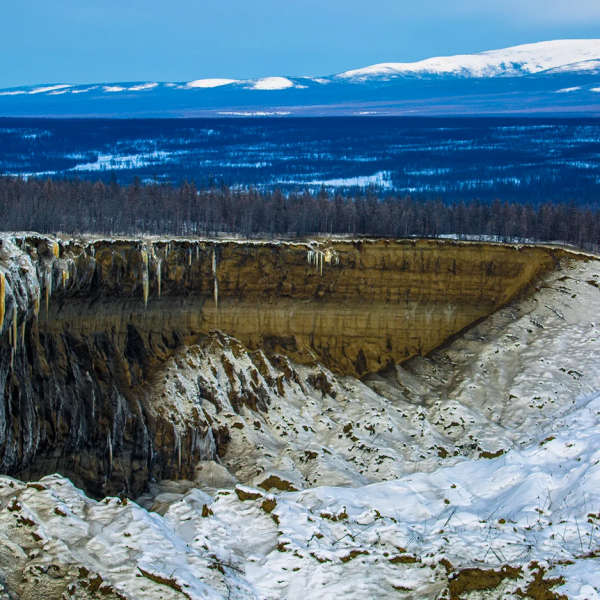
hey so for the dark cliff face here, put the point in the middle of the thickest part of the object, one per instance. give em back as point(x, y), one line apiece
point(86, 326)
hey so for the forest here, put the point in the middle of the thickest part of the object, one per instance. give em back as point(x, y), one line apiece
point(74, 206)
point(516, 159)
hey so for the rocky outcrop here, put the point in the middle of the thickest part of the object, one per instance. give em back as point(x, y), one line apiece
point(88, 324)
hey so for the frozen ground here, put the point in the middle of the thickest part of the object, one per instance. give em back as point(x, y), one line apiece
point(469, 474)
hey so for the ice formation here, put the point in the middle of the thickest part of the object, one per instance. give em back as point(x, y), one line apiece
point(215, 278)
point(317, 257)
point(48, 286)
point(2, 299)
point(145, 276)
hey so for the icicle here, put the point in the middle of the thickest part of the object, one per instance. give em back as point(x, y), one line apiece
point(15, 335)
point(65, 277)
point(145, 281)
point(178, 444)
point(23, 333)
point(48, 287)
point(110, 450)
point(158, 274)
point(145, 287)
point(56, 249)
point(216, 281)
point(36, 304)
point(2, 300)
point(190, 257)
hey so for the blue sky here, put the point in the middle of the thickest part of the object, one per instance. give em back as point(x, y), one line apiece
point(86, 41)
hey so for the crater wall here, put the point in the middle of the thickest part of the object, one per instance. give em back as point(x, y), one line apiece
point(87, 324)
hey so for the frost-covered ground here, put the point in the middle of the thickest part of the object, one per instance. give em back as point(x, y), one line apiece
point(515, 160)
point(490, 449)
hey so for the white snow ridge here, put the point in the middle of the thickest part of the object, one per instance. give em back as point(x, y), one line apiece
point(208, 83)
point(270, 83)
point(519, 60)
point(556, 58)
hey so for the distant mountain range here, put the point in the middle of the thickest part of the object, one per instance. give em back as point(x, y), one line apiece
point(558, 77)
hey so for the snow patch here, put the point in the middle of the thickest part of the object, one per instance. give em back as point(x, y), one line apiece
point(51, 88)
point(142, 87)
point(568, 90)
point(260, 113)
point(208, 83)
point(271, 83)
point(111, 162)
point(381, 179)
point(82, 91)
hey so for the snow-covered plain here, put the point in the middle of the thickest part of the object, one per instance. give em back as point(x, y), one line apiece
point(472, 473)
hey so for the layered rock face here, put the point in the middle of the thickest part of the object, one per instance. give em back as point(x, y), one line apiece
point(355, 306)
point(89, 325)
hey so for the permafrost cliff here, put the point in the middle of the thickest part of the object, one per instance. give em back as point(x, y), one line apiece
point(278, 367)
point(87, 324)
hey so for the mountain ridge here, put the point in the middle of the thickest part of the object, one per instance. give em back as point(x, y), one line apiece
point(522, 78)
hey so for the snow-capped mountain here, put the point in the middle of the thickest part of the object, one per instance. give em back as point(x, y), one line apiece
point(528, 59)
point(560, 76)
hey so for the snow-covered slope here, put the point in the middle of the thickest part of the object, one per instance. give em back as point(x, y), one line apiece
point(510, 62)
point(508, 508)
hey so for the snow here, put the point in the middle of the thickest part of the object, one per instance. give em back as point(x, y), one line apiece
point(568, 90)
point(142, 87)
point(208, 83)
point(381, 178)
point(255, 113)
point(590, 66)
point(383, 511)
point(271, 83)
point(82, 91)
point(552, 57)
point(518, 60)
point(36, 90)
point(110, 162)
point(51, 88)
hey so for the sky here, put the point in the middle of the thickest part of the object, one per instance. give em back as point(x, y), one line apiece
point(89, 41)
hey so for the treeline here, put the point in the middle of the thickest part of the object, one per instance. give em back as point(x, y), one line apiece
point(78, 206)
